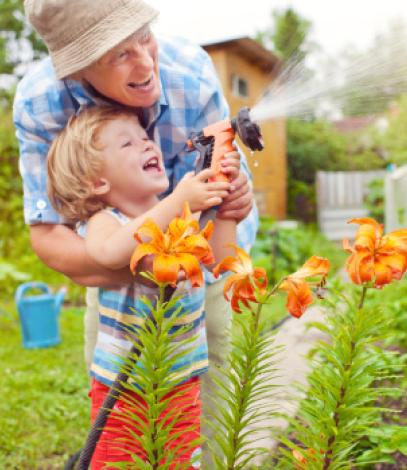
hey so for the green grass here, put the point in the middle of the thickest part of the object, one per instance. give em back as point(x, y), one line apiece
point(44, 407)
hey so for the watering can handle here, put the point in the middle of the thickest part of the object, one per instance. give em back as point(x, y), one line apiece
point(23, 288)
point(59, 298)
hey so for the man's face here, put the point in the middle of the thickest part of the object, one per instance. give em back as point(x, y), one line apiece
point(129, 73)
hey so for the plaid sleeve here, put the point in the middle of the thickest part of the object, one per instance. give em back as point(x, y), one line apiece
point(38, 115)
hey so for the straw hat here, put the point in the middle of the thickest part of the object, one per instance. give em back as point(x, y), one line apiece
point(79, 32)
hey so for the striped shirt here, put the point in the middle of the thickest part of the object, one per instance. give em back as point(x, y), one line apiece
point(190, 100)
point(122, 313)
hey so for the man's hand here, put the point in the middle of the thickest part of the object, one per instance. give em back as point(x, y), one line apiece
point(239, 203)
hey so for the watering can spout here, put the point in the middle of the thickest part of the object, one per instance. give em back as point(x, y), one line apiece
point(59, 298)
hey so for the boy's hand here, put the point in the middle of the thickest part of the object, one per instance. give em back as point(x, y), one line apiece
point(199, 194)
point(230, 165)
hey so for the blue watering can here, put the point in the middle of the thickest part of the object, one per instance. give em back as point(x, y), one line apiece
point(39, 315)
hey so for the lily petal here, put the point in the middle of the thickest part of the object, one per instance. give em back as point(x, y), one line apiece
point(206, 232)
point(402, 234)
point(142, 250)
point(229, 281)
point(192, 269)
point(383, 274)
point(230, 263)
point(368, 221)
point(166, 268)
point(298, 300)
point(315, 266)
point(151, 229)
point(244, 258)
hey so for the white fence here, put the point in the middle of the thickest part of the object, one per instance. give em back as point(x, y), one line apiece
point(395, 195)
point(341, 196)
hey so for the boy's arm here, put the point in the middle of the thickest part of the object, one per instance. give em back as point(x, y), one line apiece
point(225, 230)
point(224, 233)
point(112, 244)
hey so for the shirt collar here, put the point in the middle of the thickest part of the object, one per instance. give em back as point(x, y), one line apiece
point(152, 113)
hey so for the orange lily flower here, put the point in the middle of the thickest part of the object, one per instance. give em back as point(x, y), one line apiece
point(182, 247)
point(299, 294)
point(301, 459)
point(376, 257)
point(244, 281)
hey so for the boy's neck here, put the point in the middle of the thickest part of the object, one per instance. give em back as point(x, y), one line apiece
point(134, 209)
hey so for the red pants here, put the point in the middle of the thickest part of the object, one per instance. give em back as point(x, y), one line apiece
point(115, 430)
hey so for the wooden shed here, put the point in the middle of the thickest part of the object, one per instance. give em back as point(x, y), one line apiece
point(245, 70)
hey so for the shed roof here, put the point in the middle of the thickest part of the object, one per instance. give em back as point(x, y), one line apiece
point(250, 49)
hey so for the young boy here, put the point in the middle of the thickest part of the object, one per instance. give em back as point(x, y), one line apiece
point(103, 167)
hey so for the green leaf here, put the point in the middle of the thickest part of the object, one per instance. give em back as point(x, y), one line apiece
point(402, 446)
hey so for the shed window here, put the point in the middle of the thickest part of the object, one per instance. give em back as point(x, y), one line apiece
point(240, 86)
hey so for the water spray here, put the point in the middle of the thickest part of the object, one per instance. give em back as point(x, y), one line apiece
point(293, 92)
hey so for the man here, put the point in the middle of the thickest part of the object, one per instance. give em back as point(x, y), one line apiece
point(104, 52)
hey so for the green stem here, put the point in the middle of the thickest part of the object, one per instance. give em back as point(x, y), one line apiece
point(275, 288)
point(331, 440)
point(154, 435)
point(255, 317)
point(362, 299)
point(162, 293)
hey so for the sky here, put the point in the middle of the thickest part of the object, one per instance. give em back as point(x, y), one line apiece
point(337, 25)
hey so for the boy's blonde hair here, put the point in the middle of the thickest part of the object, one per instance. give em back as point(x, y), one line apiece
point(75, 161)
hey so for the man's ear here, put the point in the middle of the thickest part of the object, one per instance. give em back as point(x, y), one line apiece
point(101, 187)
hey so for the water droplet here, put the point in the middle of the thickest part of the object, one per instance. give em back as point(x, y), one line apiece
point(251, 153)
point(256, 163)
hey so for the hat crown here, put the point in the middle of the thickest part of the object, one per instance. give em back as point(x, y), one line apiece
point(59, 22)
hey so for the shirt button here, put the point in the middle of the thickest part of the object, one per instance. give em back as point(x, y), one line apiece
point(41, 204)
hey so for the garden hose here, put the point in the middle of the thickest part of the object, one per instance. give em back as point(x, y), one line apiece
point(108, 404)
point(71, 463)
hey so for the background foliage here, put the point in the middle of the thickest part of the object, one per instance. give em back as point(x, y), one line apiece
point(315, 144)
point(281, 251)
point(394, 140)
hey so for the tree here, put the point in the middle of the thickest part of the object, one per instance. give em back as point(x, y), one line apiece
point(19, 45)
point(378, 76)
point(287, 35)
point(394, 140)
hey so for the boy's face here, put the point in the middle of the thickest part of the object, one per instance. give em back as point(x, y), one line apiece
point(133, 167)
point(128, 74)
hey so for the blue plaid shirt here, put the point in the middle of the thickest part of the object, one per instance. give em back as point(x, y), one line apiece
point(190, 100)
